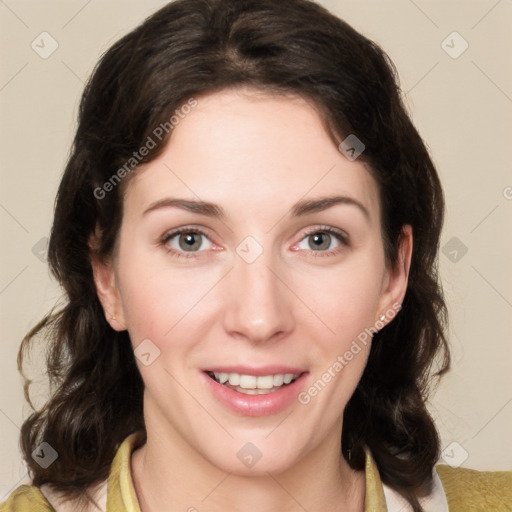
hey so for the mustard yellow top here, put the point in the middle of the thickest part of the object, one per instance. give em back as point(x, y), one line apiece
point(465, 490)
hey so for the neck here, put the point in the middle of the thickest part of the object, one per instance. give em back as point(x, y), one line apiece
point(169, 474)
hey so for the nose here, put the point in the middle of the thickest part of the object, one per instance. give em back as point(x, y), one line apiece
point(258, 302)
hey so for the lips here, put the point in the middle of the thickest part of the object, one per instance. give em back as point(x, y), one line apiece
point(262, 370)
point(255, 391)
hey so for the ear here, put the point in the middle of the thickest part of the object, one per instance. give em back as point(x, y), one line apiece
point(108, 293)
point(396, 279)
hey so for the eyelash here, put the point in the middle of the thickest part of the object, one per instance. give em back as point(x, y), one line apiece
point(338, 234)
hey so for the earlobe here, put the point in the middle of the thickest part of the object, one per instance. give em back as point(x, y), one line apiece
point(108, 294)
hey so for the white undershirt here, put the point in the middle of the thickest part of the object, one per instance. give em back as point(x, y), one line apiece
point(434, 502)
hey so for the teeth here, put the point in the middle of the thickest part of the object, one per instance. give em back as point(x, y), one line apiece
point(253, 382)
point(255, 391)
point(248, 381)
point(288, 377)
point(265, 382)
point(234, 379)
point(278, 379)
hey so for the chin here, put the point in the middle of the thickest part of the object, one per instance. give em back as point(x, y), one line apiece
point(255, 458)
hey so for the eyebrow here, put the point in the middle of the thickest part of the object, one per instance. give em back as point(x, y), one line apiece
point(298, 209)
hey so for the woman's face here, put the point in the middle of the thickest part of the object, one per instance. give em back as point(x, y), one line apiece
point(279, 271)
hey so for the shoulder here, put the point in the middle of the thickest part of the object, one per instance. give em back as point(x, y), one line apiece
point(29, 498)
point(468, 489)
point(26, 498)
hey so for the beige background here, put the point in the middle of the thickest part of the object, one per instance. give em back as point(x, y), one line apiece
point(462, 107)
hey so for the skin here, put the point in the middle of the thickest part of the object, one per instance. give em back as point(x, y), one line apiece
point(254, 155)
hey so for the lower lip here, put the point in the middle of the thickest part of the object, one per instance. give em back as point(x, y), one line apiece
point(256, 405)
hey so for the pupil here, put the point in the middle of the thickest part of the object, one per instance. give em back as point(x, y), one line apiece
point(320, 241)
point(188, 241)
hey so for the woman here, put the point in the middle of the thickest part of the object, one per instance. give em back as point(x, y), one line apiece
point(247, 233)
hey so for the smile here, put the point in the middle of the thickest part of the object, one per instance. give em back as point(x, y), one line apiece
point(253, 384)
point(238, 389)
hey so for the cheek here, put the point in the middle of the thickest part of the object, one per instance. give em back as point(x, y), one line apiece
point(346, 302)
point(158, 299)
point(344, 299)
point(347, 305)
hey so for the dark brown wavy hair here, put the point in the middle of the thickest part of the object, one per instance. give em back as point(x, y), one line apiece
point(187, 49)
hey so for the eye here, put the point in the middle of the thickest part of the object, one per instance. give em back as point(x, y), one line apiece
point(186, 240)
point(327, 241)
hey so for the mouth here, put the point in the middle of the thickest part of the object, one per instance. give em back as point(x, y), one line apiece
point(251, 391)
point(254, 384)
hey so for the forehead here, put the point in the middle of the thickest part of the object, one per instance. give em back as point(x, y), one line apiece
point(251, 150)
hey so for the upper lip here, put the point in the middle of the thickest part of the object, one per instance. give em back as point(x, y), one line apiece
point(262, 370)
